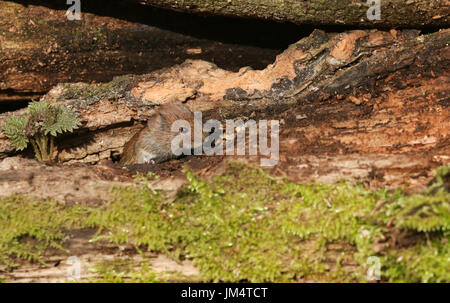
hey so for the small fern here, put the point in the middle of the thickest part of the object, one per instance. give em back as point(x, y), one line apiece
point(40, 126)
point(15, 130)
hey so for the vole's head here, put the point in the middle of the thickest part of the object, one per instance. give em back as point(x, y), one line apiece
point(171, 120)
point(170, 123)
point(167, 114)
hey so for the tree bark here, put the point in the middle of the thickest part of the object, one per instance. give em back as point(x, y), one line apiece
point(394, 13)
point(359, 67)
point(40, 48)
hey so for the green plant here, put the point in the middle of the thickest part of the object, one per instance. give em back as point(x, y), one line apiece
point(244, 225)
point(39, 126)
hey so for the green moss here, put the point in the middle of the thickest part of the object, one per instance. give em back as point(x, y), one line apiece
point(426, 261)
point(248, 226)
point(119, 271)
point(123, 271)
point(29, 227)
point(96, 92)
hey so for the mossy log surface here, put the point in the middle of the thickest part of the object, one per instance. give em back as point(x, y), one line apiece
point(394, 13)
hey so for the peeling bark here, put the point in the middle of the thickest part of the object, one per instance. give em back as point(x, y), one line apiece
point(379, 99)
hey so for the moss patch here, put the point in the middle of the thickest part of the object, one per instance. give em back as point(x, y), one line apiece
point(248, 226)
point(29, 227)
point(123, 271)
point(93, 93)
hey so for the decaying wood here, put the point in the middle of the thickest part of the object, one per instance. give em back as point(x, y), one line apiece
point(369, 105)
point(40, 48)
point(394, 13)
point(70, 185)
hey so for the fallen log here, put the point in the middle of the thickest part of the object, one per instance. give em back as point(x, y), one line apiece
point(379, 98)
point(40, 48)
point(392, 13)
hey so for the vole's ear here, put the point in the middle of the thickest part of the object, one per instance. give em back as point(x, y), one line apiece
point(155, 121)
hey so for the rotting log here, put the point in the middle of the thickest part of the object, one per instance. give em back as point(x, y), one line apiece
point(393, 13)
point(379, 98)
point(40, 48)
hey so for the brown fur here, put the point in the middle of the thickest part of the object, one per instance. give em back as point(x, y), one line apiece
point(156, 137)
